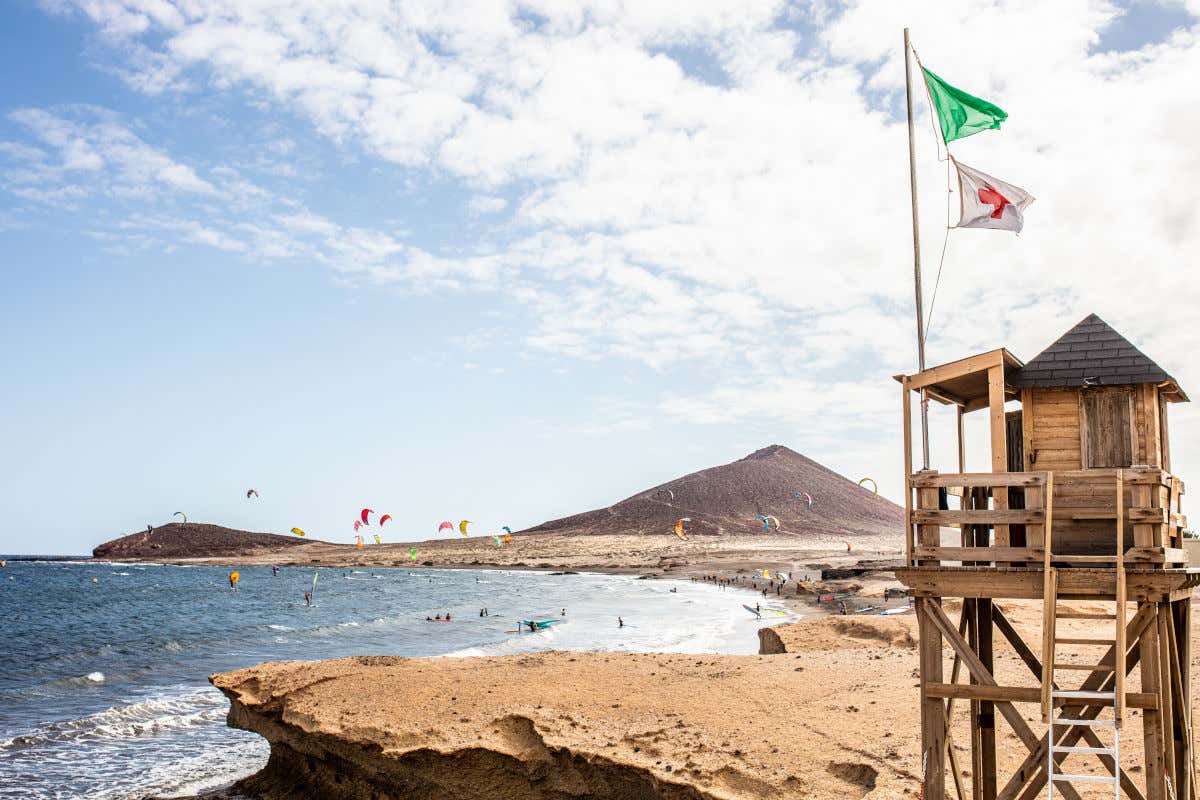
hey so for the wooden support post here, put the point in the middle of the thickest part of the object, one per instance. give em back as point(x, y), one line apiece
point(1182, 710)
point(1145, 534)
point(933, 713)
point(1152, 728)
point(986, 777)
point(999, 442)
point(951, 756)
point(962, 441)
point(1049, 602)
point(1119, 609)
point(928, 535)
point(1166, 694)
point(971, 615)
point(908, 528)
point(1184, 629)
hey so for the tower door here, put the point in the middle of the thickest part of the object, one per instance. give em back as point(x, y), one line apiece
point(1107, 428)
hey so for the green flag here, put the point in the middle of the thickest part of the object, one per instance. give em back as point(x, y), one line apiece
point(960, 114)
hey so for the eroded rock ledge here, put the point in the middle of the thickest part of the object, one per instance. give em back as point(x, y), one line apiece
point(575, 725)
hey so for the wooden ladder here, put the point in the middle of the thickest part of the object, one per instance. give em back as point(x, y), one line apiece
point(1052, 695)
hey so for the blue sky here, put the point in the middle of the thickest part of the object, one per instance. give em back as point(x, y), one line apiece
point(518, 260)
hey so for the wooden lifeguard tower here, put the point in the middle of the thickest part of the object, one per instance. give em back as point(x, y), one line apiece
point(1079, 505)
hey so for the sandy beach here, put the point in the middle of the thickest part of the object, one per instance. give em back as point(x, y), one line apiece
point(833, 716)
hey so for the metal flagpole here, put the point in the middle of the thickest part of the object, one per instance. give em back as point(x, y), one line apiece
point(912, 183)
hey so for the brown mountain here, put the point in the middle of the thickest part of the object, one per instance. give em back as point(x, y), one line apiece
point(194, 540)
point(725, 500)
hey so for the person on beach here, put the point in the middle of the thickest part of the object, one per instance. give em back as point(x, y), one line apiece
point(758, 608)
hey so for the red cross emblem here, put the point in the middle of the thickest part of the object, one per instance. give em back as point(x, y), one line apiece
point(990, 197)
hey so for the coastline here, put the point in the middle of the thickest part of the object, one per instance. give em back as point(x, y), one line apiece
point(729, 558)
point(829, 714)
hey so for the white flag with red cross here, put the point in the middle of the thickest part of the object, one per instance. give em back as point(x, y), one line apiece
point(988, 202)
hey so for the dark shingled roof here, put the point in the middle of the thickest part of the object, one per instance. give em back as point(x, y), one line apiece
point(1090, 354)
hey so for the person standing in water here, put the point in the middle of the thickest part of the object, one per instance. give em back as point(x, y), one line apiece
point(620, 622)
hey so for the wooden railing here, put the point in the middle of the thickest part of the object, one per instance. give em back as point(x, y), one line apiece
point(1003, 516)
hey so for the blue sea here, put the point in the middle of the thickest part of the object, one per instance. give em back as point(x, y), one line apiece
point(103, 668)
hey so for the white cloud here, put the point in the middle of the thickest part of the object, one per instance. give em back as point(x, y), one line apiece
point(758, 226)
point(89, 150)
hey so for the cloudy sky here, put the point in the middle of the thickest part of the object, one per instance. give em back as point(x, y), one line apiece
point(511, 260)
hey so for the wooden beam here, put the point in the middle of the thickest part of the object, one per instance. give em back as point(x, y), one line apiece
point(908, 528)
point(1152, 727)
point(962, 440)
point(1181, 712)
point(1025, 694)
point(933, 714)
point(1049, 617)
point(1166, 692)
point(951, 755)
point(987, 710)
point(1120, 602)
point(999, 518)
point(979, 479)
point(957, 369)
point(1030, 555)
point(1024, 583)
point(999, 442)
point(928, 535)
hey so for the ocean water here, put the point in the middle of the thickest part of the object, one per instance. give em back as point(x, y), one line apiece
point(103, 685)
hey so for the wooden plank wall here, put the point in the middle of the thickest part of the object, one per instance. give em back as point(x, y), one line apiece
point(1053, 422)
point(1053, 442)
point(1052, 439)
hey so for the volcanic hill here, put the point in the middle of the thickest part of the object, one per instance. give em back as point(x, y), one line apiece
point(725, 500)
point(193, 540)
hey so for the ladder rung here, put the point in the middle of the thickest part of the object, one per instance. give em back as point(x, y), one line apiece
point(1084, 641)
point(1099, 751)
point(1081, 615)
point(1084, 778)
point(1087, 667)
point(1087, 723)
point(1082, 695)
